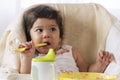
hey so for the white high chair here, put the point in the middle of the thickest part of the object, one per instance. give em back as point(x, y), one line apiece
point(88, 27)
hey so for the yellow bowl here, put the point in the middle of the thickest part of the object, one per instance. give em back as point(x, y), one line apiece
point(85, 76)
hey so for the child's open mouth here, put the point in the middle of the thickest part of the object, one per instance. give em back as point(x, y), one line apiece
point(48, 43)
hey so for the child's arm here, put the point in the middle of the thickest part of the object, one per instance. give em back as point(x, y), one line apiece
point(26, 57)
point(79, 61)
point(103, 60)
point(25, 65)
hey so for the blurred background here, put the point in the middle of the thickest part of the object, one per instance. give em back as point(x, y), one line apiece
point(9, 9)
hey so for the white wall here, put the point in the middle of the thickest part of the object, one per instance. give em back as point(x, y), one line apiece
point(7, 13)
point(9, 9)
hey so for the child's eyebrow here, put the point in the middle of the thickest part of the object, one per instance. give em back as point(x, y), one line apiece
point(38, 26)
point(54, 25)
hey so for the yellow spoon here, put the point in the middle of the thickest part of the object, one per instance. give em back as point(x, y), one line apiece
point(23, 49)
point(19, 50)
point(40, 44)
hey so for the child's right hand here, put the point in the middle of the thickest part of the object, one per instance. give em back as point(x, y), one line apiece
point(29, 51)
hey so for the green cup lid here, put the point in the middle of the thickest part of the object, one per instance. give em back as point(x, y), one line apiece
point(49, 57)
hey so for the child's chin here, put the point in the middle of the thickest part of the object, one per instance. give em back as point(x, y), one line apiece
point(45, 50)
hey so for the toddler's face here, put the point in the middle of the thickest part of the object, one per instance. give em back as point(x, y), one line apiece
point(45, 31)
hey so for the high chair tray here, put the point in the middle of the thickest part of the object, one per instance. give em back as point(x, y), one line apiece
point(85, 76)
point(64, 76)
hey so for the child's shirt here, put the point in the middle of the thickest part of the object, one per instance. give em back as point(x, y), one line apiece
point(65, 61)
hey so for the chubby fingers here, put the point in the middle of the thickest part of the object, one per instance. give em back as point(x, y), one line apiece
point(61, 51)
point(26, 45)
point(106, 56)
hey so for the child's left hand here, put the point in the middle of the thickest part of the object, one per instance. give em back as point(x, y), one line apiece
point(104, 58)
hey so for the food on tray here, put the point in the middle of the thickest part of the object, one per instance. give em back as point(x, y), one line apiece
point(85, 76)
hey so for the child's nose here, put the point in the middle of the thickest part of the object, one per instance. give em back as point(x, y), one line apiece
point(46, 34)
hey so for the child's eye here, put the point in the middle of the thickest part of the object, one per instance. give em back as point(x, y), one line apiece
point(39, 30)
point(52, 29)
